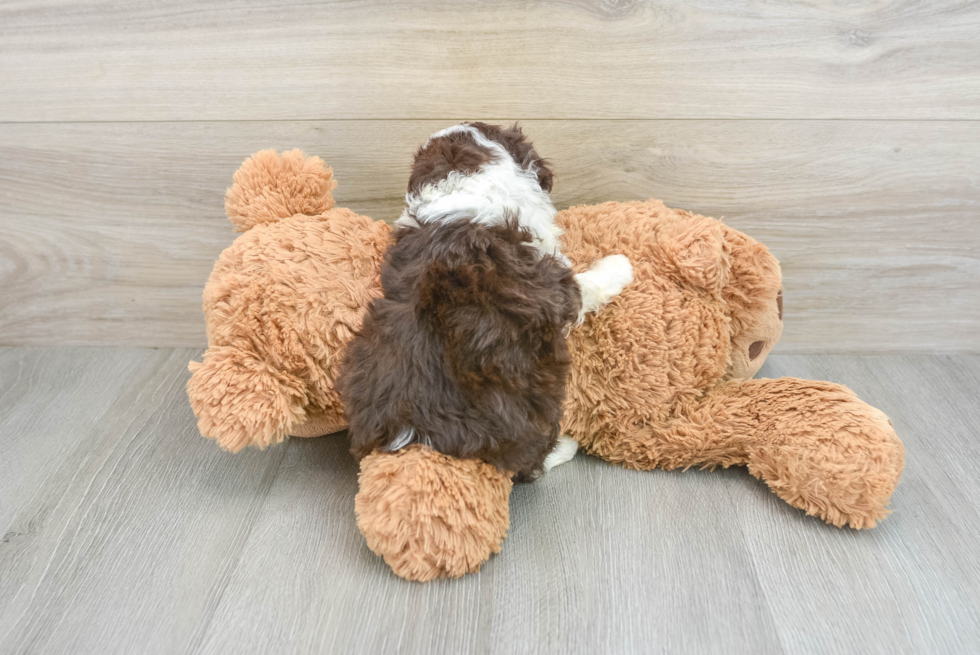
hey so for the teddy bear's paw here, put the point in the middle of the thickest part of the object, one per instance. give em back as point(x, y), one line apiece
point(240, 400)
point(604, 281)
point(842, 470)
point(429, 515)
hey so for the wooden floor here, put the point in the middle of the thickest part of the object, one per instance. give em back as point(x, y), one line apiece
point(126, 532)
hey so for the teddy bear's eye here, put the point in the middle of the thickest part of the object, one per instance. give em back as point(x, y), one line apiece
point(779, 304)
point(756, 348)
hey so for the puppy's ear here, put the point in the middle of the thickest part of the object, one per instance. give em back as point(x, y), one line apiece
point(521, 150)
point(546, 177)
point(452, 152)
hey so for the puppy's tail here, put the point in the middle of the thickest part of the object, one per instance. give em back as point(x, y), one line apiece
point(269, 187)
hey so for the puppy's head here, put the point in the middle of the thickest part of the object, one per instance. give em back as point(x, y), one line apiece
point(521, 151)
point(467, 147)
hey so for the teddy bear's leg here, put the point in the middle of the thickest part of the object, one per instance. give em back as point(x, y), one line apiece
point(816, 444)
point(319, 423)
point(429, 515)
point(699, 433)
point(823, 450)
point(240, 400)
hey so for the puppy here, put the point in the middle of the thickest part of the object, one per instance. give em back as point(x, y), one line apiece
point(466, 352)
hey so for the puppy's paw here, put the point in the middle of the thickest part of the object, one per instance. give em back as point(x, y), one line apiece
point(604, 281)
point(613, 273)
point(564, 451)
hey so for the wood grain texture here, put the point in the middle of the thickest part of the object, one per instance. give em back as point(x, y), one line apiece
point(36, 421)
point(139, 536)
point(913, 583)
point(122, 540)
point(586, 569)
point(178, 60)
point(108, 231)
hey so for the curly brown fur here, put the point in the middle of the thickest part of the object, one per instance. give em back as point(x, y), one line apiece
point(466, 347)
point(435, 160)
point(458, 151)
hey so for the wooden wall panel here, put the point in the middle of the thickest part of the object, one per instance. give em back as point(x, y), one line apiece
point(68, 60)
point(108, 231)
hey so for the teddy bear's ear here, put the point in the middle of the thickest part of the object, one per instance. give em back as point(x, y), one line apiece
point(695, 245)
point(269, 187)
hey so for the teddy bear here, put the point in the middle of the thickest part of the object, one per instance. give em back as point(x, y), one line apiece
point(662, 377)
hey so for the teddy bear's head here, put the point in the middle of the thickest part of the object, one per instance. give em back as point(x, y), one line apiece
point(754, 296)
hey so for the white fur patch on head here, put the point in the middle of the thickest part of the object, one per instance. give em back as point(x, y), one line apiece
point(452, 129)
point(500, 188)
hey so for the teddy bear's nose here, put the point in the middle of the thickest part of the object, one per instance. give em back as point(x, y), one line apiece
point(779, 304)
point(756, 348)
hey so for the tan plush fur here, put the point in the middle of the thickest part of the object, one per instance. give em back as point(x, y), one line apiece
point(430, 515)
point(660, 378)
point(281, 304)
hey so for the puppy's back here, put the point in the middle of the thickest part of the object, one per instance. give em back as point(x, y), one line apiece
point(465, 352)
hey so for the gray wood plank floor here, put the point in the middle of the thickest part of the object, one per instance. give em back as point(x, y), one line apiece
point(124, 531)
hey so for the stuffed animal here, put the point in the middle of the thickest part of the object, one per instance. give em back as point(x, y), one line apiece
point(661, 377)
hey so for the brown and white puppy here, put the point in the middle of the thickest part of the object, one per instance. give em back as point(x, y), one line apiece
point(466, 350)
